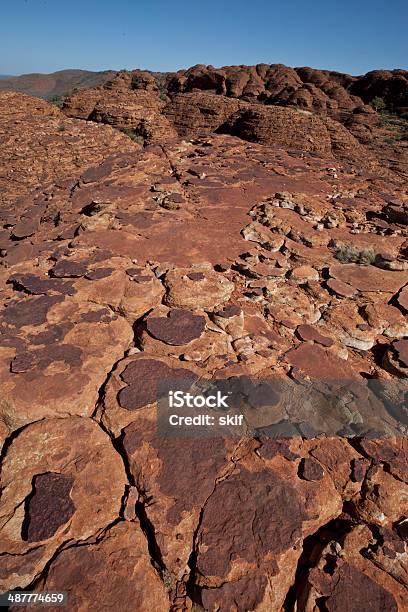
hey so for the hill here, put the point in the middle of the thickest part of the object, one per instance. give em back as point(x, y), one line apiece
point(54, 84)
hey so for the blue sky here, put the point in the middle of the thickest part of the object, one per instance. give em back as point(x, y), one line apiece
point(346, 35)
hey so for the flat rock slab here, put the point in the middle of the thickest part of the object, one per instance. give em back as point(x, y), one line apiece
point(189, 288)
point(308, 332)
point(65, 467)
point(275, 510)
point(56, 356)
point(342, 289)
point(178, 328)
point(317, 363)
point(116, 572)
point(369, 278)
point(403, 298)
point(402, 349)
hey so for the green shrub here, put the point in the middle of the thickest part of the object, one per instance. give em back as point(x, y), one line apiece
point(378, 104)
point(350, 254)
point(133, 135)
point(56, 100)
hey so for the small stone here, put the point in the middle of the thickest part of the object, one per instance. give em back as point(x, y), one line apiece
point(403, 298)
point(310, 469)
point(342, 289)
point(401, 347)
point(308, 332)
point(304, 274)
point(196, 276)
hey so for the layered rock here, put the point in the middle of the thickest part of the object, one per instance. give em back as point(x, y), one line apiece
point(136, 110)
point(198, 114)
point(40, 144)
point(243, 100)
point(390, 85)
point(318, 90)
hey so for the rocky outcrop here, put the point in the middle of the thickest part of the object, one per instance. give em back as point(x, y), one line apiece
point(198, 114)
point(137, 111)
point(248, 101)
point(390, 85)
point(309, 89)
point(40, 144)
point(281, 127)
point(267, 270)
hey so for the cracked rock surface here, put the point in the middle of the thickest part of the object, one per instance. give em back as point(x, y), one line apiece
point(216, 259)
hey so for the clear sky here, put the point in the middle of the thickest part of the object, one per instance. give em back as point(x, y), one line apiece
point(347, 35)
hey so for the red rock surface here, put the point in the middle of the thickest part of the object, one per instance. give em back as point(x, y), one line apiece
point(213, 258)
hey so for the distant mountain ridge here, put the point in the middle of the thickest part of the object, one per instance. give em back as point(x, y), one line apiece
point(56, 83)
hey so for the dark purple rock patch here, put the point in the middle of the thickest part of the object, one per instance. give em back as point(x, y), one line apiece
point(196, 276)
point(178, 328)
point(97, 172)
point(310, 469)
point(229, 311)
point(99, 273)
point(35, 285)
point(67, 268)
point(143, 377)
point(31, 311)
point(133, 271)
point(352, 590)
point(23, 362)
point(40, 359)
point(48, 507)
point(54, 333)
point(97, 316)
point(271, 523)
